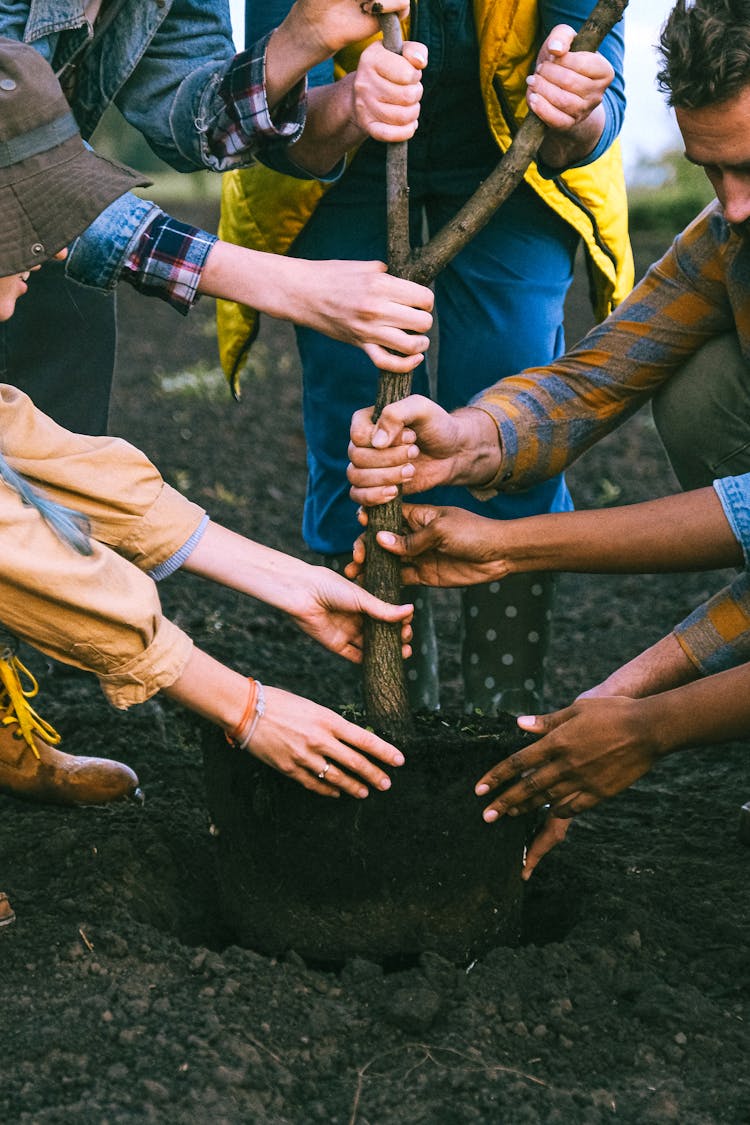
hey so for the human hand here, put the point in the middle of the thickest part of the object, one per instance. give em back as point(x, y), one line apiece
point(334, 613)
point(567, 87)
point(332, 24)
point(303, 740)
point(387, 90)
point(415, 444)
point(443, 547)
point(591, 750)
point(360, 303)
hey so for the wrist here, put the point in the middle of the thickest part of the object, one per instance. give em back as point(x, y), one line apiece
point(478, 459)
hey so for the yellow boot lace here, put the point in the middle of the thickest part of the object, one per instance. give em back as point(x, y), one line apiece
point(14, 701)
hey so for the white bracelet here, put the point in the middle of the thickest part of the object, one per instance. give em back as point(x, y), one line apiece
point(260, 709)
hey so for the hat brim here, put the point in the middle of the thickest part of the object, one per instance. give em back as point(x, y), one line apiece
point(53, 204)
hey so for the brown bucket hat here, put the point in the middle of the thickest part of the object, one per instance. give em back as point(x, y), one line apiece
point(51, 186)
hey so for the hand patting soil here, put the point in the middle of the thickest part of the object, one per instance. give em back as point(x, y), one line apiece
point(121, 1001)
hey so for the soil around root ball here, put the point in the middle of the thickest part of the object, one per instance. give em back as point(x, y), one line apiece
point(411, 871)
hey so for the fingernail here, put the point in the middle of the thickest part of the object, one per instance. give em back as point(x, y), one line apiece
point(362, 793)
point(556, 45)
point(386, 538)
point(407, 472)
point(412, 452)
point(390, 492)
point(532, 99)
point(490, 815)
point(379, 439)
point(530, 79)
point(421, 56)
point(481, 790)
point(398, 758)
point(385, 783)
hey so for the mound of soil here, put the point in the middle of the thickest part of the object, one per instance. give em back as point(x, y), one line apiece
point(124, 995)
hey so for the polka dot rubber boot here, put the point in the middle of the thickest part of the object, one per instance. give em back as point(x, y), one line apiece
point(506, 628)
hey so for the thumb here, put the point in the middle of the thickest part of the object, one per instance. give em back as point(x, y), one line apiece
point(542, 724)
point(383, 611)
point(558, 42)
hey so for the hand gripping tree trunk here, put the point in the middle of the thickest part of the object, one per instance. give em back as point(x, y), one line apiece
point(386, 701)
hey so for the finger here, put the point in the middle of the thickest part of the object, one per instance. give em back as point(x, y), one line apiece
point(388, 457)
point(531, 757)
point(415, 53)
point(352, 772)
point(387, 481)
point(399, 416)
point(552, 833)
point(558, 42)
point(530, 792)
point(578, 803)
point(386, 360)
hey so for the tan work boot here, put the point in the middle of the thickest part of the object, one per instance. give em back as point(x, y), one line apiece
point(31, 767)
point(7, 913)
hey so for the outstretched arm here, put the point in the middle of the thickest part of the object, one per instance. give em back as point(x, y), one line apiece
point(357, 302)
point(452, 547)
point(322, 603)
point(598, 747)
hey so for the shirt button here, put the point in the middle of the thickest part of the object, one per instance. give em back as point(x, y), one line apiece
point(7, 84)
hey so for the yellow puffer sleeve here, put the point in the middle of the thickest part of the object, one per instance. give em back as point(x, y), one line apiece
point(264, 210)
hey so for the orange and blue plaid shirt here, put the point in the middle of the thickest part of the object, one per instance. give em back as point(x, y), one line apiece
point(548, 416)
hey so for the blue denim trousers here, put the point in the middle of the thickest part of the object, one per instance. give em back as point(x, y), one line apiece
point(499, 303)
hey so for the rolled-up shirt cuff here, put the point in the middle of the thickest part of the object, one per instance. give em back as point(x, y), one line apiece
point(157, 667)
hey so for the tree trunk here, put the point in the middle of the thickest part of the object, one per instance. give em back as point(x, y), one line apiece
point(384, 687)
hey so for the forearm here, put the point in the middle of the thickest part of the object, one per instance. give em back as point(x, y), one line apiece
point(659, 668)
point(270, 283)
point(241, 564)
point(711, 709)
point(330, 128)
point(210, 689)
point(637, 538)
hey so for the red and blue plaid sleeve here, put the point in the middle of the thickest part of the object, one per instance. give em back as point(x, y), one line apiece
point(167, 260)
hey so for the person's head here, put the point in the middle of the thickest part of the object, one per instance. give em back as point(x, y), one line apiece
point(705, 48)
point(51, 186)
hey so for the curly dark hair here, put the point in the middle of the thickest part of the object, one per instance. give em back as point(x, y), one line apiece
point(705, 48)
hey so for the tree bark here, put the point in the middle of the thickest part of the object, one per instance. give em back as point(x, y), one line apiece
point(386, 701)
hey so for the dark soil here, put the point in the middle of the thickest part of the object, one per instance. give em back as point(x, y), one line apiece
point(124, 997)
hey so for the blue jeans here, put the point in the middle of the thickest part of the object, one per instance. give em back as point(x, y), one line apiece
point(499, 308)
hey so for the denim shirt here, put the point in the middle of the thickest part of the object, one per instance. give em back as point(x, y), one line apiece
point(161, 63)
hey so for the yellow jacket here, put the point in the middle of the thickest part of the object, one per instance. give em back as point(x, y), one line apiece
point(266, 210)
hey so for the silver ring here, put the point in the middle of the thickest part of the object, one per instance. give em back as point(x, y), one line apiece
point(324, 771)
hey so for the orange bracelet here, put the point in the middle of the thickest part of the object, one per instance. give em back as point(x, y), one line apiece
point(234, 736)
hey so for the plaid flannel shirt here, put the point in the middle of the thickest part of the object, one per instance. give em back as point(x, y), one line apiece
point(547, 417)
point(167, 257)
